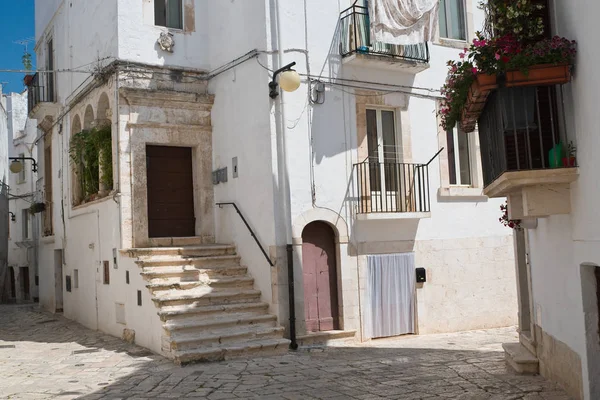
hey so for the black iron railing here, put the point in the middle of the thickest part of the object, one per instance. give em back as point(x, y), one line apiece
point(392, 187)
point(519, 130)
point(262, 249)
point(40, 90)
point(355, 37)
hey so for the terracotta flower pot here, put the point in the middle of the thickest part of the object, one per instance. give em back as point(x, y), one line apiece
point(474, 106)
point(569, 161)
point(487, 82)
point(27, 80)
point(544, 74)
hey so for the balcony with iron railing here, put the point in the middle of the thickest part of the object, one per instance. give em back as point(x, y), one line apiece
point(40, 90)
point(357, 47)
point(387, 190)
point(527, 154)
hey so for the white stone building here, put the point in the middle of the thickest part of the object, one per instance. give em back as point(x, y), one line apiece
point(559, 255)
point(21, 244)
point(5, 126)
point(127, 238)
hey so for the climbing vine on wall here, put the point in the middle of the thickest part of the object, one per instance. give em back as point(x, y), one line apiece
point(91, 152)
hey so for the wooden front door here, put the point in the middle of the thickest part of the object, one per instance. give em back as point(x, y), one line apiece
point(319, 268)
point(170, 192)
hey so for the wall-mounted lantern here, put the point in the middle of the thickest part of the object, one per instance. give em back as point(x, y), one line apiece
point(16, 165)
point(289, 80)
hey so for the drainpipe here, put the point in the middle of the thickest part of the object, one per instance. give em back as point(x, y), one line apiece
point(291, 302)
point(282, 172)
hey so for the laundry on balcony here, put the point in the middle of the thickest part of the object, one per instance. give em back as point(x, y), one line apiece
point(403, 22)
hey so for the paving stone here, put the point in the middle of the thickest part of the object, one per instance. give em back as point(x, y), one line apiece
point(62, 359)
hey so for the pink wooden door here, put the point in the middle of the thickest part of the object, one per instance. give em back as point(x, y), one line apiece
point(319, 269)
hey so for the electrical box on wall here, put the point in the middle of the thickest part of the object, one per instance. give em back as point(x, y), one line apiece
point(421, 275)
point(234, 165)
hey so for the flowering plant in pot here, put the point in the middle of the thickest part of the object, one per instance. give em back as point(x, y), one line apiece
point(570, 160)
point(511, 52)
point(455, 91)
point(37, 208)
point(504, 220)
point(27, 80)
point(516, 17)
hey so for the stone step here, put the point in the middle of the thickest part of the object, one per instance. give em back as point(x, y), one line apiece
point(330, 338)
point(198, 251)
point(260, 348)
point(207, 297)
point(225, 336)
point(205, 262)
point(190, 272)
point(178, 312)
point(175, 241)
point(158, 285)
point(230, 321)
point(520, 359)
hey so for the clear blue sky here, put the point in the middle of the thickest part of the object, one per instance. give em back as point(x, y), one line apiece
point(16, 24)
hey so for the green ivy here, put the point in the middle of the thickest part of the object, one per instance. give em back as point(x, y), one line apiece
point(84, 150)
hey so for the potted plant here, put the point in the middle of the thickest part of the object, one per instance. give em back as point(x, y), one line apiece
point(28, 80)
point(504, 220)
point(570, 160)
point(37, 208)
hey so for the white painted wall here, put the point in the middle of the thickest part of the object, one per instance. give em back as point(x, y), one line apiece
point(21, 135)
point(560, 244)
point(137, 35)
point(308, 38)
point(241, 128)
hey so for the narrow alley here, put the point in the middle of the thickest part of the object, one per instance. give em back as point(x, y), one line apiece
point(44, 356)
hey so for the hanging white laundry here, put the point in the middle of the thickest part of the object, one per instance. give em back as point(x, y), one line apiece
point(403, 22)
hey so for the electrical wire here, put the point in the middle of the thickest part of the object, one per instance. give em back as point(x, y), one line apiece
point(320, 79)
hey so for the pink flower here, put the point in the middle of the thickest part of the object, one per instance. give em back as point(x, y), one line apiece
point(497, 56)
point(474, 70)
point(462, 55)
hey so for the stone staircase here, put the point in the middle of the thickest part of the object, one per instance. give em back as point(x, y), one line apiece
point(208, 304)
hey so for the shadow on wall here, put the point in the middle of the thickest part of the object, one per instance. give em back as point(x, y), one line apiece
point(333, 124)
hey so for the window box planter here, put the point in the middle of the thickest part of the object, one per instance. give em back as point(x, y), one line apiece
point(539, 75)
point(478, 94)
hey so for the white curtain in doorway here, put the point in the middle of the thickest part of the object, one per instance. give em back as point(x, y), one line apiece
point(403, 22)
point(390, 295)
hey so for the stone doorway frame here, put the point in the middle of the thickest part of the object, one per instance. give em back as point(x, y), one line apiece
point(138, 128)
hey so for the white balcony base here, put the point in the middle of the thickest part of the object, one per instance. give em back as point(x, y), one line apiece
point(535, 194)
point(379, 61)
point(392, 215)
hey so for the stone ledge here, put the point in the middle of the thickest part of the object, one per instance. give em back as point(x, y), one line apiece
point(514, 181)
point(520, 359)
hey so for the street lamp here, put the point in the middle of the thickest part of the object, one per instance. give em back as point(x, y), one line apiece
point(16, 165)
point(289, 80)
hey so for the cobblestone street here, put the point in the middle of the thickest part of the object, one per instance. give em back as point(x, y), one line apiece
point(44, 356)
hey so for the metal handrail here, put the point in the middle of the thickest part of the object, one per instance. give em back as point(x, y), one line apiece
point(249, 229)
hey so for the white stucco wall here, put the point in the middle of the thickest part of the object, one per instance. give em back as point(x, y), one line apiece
point(241, 128)
point(562, 243)
point(21, 135)
point(324, 138)
point(137, 35)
